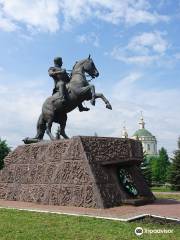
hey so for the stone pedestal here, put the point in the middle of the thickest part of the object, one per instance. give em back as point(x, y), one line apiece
point(82, 172)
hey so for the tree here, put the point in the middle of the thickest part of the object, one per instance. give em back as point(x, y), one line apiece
point(153, 161)
point(146, 169)
point(160, 166)
point(163, 165)
point(175, 169)
point(168, 175)
point(4, 150)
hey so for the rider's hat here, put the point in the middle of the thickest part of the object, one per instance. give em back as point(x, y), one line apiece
point(58, 60)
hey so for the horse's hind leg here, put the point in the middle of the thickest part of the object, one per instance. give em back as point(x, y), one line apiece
point(63, 125)
point(48, 130)
point(41, 127)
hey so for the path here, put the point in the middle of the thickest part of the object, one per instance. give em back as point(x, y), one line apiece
point(161, 207)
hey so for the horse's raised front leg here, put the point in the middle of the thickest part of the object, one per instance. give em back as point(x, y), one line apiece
point(100, 95)
point(93, 101)
point(48, 130)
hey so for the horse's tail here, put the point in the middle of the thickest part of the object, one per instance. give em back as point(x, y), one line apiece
point(41, 127)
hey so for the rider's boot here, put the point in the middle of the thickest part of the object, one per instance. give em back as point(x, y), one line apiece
point(63, 97)
point(82, 108)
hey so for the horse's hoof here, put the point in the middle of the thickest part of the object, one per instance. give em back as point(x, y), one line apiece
point(84, 109)
point(25, 140)
point(109, 106)
point(93, 102)
point(28, 140)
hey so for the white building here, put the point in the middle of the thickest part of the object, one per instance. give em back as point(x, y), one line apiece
point(149, 141)
point(124, 133)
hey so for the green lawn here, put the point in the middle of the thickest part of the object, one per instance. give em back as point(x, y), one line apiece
point(25, 225)
point(161, 189)
point(168, 196)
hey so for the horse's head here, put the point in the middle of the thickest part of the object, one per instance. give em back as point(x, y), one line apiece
point(90, 68)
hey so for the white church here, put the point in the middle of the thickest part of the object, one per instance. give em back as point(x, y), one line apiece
point(148, 140)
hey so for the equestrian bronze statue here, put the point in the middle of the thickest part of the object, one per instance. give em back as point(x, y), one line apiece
point(76, 90)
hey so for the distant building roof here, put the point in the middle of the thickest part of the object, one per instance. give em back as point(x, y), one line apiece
point(142, 133)
point(149, 142)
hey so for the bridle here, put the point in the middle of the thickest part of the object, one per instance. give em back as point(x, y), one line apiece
point(83, 75)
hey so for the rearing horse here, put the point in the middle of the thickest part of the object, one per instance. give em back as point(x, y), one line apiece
point(78, 90)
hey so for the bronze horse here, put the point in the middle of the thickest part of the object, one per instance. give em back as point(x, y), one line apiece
point(78, 90)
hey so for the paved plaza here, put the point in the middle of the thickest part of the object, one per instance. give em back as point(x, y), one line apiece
point(161, 207)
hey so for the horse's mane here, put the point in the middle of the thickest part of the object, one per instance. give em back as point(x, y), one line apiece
point(78, 63)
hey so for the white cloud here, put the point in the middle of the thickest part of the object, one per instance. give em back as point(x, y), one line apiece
point(129, 80)
point(20, 106)
point(41, 15)
point(144, 48)
point(44, 15)
point(130, 12)
point(149, 41)
point(89, 38)
point(124, 56)
point(6, 24)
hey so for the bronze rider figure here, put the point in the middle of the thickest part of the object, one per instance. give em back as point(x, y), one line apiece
point(60, 78)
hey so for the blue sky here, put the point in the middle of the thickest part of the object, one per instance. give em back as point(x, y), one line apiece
point(134, 44)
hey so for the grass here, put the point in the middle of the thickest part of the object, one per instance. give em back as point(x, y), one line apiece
point(24, 225)
point(168, 196)
point(165, 189)
point(161, 189)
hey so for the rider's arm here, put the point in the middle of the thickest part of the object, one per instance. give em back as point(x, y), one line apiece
point(53, 71)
